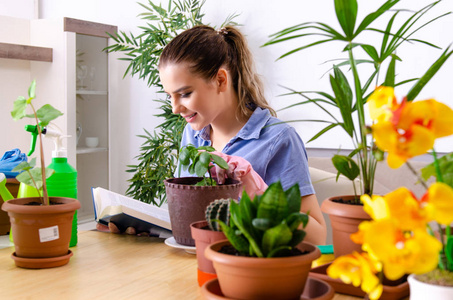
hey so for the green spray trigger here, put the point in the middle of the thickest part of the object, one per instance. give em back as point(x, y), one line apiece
point(33, 129)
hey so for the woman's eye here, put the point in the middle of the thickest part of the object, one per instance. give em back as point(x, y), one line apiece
point(186, 95)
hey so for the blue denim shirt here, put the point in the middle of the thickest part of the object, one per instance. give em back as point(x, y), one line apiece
point(275, 152)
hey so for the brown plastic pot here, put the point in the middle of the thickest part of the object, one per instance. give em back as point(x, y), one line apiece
point(203, 237)
point(344, 219)
point(187, 203)
point(41, 231)
point(249, 278)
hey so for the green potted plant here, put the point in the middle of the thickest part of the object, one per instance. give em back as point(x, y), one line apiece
point(349, 99)
point(41, 226)
point(188, 197)
point(207, 232)
point(264, 256)
point(159, 151)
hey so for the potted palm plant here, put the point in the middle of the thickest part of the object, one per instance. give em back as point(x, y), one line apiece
point(264, 256)
point(188, 197)
point(346, 212)
point(41, 226)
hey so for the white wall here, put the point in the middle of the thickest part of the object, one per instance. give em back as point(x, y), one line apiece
point(134, 109)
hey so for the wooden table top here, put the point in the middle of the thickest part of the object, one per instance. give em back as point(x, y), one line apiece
point(109, 266)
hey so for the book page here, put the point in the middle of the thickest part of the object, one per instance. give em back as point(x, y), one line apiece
point(108, 203)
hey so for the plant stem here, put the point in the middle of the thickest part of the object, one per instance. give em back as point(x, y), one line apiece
point(361, 116)
point(423, 182)
point(45, 201)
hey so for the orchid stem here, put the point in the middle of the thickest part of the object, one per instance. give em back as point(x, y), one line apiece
point(417, 174)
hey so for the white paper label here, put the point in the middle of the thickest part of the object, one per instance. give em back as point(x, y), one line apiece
point(48, 234)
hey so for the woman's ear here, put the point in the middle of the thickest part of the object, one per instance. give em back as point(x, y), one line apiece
point(222, 80)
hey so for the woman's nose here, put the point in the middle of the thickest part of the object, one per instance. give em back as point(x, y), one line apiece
point(176, 107)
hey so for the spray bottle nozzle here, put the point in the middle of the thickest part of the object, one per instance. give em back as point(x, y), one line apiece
point(33, 129)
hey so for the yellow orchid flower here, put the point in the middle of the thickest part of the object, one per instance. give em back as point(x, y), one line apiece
point(438, 201)
point(406, 210)
point(400, 252)
point(360, 270)
point(402, 145)
point(433, 115)
point(407, 129)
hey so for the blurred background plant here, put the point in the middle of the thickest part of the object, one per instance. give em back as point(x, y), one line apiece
point(158, 154)
point(344, 106)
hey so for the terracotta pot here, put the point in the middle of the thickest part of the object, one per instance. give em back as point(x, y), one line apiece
point(421, 290)
point(344, 220)
point(250, 278)
point(42, 231)
point(187, 203)
point(203, 237)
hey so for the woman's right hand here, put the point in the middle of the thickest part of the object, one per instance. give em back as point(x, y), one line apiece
point(239, 169)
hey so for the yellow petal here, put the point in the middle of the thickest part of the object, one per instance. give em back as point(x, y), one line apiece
point(439, 200)
point(375, 206)
point(381, 102)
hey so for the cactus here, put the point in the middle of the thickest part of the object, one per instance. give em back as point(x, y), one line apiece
point(218, 210)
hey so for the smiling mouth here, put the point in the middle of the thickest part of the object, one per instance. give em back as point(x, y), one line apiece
point(190, 117)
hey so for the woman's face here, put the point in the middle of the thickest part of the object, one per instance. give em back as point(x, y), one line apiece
point(194, 98)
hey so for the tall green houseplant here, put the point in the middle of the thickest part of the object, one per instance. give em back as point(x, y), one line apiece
point(158, 154)
point(349, 99)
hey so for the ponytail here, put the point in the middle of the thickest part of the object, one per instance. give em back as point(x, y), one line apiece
point(206, 50)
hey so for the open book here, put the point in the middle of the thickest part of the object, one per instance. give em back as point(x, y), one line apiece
point(126, 212)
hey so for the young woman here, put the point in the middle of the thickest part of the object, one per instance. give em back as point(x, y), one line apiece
point(209, 76)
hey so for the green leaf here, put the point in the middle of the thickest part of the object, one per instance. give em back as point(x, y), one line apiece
point(295, 219)
point(343, 96)
point(273, 205)
point(294, 199)
point(346, 11)
point(200, 168)
point(446, 168)
point(24, 165)
point(420, 84)
point(261, 224)
point(298, 236)
point(237, 241)
point(32, 89)
point(390, 76)
point(346, 166)
point(184, 156)
point(449, 251)
point(276, 236)
point(19, 108)
point(47, 113)
point(219, 161)
point(370, 18)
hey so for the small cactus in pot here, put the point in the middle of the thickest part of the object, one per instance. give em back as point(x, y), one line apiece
point(218, 210)
point(207, 232)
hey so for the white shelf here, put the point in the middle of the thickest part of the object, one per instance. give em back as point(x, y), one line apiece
point(88, 92)
point(85, 150)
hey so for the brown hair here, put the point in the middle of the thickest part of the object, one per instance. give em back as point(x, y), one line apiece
point(206, 50)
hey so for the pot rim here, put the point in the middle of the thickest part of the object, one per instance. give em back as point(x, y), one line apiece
point(17, 205)
point(343, 209)
point(189, 186)
point(412, 278)
point(212, 253)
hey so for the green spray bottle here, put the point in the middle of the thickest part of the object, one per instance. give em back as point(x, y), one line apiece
point(63, 182)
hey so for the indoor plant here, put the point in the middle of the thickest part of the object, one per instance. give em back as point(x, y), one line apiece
point(272, 262)
point(41, 226)
point(349, 99)
point(159, 151)
point(401, 237)
point(188, 197)
point(207, 232)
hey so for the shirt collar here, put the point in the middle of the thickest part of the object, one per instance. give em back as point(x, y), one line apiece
point(251, 129)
